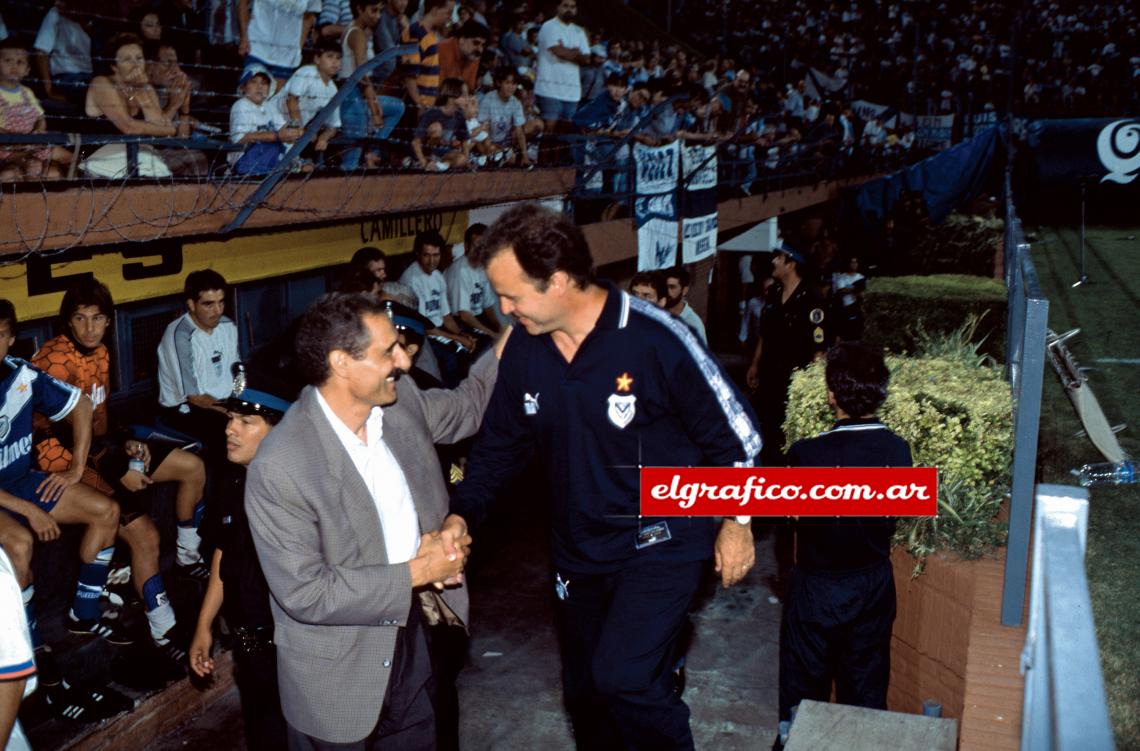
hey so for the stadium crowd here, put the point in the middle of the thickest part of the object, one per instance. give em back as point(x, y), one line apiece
point(489, 84)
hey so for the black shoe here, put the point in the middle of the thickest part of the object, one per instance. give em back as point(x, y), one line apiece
point(47, 668)
point(108, 630)
point(86, 704)
point(196, 571)
point(170, 661)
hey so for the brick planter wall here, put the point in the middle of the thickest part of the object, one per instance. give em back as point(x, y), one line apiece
point(949, 645)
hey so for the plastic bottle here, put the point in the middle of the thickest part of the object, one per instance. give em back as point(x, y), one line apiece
point(1107, 473)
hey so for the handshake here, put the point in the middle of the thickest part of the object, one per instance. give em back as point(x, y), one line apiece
point(442, 555)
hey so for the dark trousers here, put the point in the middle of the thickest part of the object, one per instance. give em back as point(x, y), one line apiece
point(448, 655)
point(256, 675)
point(837, 627)
point(619, 635)
point(407, 718)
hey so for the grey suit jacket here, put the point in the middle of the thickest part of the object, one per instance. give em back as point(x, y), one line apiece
point(337, 602)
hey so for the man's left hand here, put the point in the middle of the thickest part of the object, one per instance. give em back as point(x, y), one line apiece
point(54, 485)
point(735, 551)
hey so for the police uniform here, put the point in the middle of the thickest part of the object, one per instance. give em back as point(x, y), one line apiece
point(246, 601)
point(841, 599)
point(641, 390)
point(794, 332)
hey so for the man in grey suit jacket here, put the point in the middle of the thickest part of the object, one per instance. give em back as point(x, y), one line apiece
point(339, 497)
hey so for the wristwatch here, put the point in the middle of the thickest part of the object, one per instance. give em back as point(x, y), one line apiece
point(743, 520)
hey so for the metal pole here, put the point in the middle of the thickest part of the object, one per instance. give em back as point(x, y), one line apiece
point(1084, 278)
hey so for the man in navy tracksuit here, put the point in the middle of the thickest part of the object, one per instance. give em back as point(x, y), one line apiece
point(841, 599)
point(599, 384)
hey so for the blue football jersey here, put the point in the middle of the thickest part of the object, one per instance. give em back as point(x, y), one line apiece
point(26, 389)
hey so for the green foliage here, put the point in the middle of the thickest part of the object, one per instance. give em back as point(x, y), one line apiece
point(905, 313)
point(956, 416)
point(960, 244)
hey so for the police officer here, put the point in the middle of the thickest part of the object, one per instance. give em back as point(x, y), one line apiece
point(841, 599)
point(237, 585)
point(793, 331)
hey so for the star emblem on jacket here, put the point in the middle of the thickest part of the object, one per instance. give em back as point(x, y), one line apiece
point(624, 382)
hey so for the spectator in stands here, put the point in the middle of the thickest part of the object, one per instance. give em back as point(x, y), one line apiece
point(649, 286)
point(372, 260)
point(563, 46)
point(677, 281)
point(130, 105)
point(503, 112)
point(259, 124)
point(41, 501)
point(195, 357)
point(64, 59)
point(875, 135)
point(173, 86)
point(467, 289)
point(479, 133)
point(840, 606)
point(309, 89)
point(441, 140)
point(79, 357)
point(273, 33)
point(387, 34)
point(600, 114)
point(20, 112)
point(237, 584)
point(420, 70)
point(513, 43)
point(362, 112)
point(459, 54)
point(334, 18)
point(425, 279)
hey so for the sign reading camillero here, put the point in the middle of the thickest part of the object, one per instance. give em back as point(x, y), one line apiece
point(157, 269)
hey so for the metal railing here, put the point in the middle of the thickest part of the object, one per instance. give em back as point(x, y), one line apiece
point(1028, 311)
point(1064, 707)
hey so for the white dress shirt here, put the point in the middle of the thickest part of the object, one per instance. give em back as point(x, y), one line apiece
point(385, 481)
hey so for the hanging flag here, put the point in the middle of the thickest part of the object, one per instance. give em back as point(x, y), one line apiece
point(655, 207)
point(699, 171)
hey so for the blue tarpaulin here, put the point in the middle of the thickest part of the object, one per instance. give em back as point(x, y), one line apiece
point(945, 180)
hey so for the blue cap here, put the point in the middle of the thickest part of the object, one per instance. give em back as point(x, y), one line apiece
point(403, 317)
point(249, 401)
point(792, 253)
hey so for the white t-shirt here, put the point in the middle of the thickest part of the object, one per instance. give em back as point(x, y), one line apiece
point(66, 44)
point(557, 78)
point(690, 317)
point(842, 280)
point(432, 291)
point(247, 117)
point(466, 287)
point(275, 30)
point(16, 659)
point(192, 362)
point(312, 95)
point(347, 59)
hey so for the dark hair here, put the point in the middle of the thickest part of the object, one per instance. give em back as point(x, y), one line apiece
point(472, 30)
point(680, 273)
point(430, 5)
point(335, 321)
point(356, 5)
point(659, 85)
point(201, 281)
point(117, 42)
point(8, 315)
point(502, 73)
point(367, 255)
point(14, 43)
point(86, 291)
point(427, 237)
point(857, 375)
point(327, 44)
point(449, 88)
point(476, 230)
point(543, 241)
point(358, 279)
point(649, 279)
point(615, 79)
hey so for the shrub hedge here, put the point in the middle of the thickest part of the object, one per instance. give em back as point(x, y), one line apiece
point(898, 308)
point(956, 417)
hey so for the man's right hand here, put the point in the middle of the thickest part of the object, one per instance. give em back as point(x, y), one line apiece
point(753, 377)
point(43, 526)
point(435, 564)
point(200, 661)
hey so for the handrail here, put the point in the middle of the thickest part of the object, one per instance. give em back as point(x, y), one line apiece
point(284, 166)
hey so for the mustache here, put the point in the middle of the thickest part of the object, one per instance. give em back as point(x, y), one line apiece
point(398, 373)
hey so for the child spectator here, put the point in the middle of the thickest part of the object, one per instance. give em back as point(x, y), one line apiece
point(479, 134)
point(310, 88)
point(503, 112)
point(443, 130)
point(20, 112)
point(259, 124)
